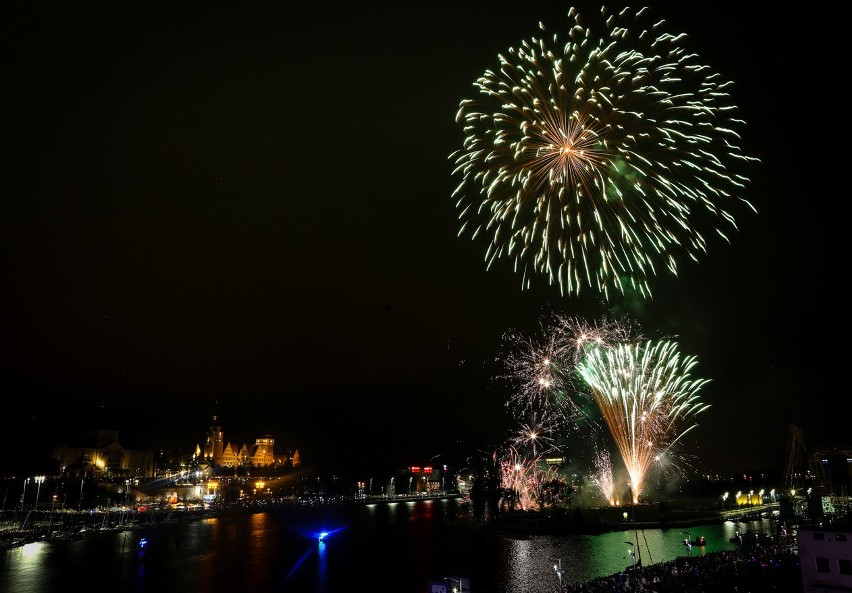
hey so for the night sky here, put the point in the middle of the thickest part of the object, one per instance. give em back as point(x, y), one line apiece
point(247, 211)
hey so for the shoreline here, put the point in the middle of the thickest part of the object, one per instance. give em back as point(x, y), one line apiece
point(595, 521)
point(765, 568)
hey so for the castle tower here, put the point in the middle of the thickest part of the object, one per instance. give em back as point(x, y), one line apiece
point(214, 443)
point(263, 452)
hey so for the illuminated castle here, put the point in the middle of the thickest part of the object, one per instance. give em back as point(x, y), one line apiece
point(261, 454)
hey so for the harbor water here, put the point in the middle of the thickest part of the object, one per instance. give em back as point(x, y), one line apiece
point(390, 546)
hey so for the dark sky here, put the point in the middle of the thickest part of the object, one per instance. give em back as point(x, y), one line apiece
point(247, 211)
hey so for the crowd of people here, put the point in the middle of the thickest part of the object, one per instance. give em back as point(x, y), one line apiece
point(755, 569)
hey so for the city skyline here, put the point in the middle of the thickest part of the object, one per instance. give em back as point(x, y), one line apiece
point(248, 212)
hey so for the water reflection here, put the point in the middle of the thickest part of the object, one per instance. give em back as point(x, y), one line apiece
point(529, 563)
point(408, 544)
point(322, 565)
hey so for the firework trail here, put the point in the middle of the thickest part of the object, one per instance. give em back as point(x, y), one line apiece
point(576, 334)
point(600, 160)
point(525, 477)
point(540, 382)
point(541, 370)
point(646, 397)
point(548, 399)
point(537, 434)
point(602, 476)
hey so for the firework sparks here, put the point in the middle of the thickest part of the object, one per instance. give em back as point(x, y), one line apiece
point(541, 369)
point(646, 397)
point(540, 383)
point(602, 477)
point(525, 478)
point(536, 435)
point(599, 160)
point(642, 390)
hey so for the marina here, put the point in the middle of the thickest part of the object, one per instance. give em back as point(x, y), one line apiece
point(408, 543)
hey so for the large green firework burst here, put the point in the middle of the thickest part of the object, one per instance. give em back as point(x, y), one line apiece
point(601, 160)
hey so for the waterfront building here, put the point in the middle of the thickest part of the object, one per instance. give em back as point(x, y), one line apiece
point(214, 446)
point(261, 454)
point(825, 555)
point(424, 480)
point(99, 454)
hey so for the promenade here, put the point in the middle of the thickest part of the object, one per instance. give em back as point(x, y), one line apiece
point(596, 520)
point(756, 569)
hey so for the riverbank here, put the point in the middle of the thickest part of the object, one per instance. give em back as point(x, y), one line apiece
point(67, 525)
point(43, 525)
point(594, 521)
point(767, 568)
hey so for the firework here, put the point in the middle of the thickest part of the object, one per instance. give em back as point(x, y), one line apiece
point(541, 369)
point(600, 160)
point(536, 373)
point(525, 477)
point(537, 434)
point(602, 477)
point(646, 397)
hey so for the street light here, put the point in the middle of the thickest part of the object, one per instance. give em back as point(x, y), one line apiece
point(50, 521)
point(38, 480)
point(24, 493)
point(558, 568)
point(632, 554)
point(634, 497)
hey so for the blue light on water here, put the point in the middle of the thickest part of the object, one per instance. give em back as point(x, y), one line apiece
point(321, 536)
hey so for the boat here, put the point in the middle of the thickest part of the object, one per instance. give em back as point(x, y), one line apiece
point(752, 538)
point(65, 536)
point(9, 543)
